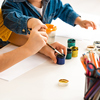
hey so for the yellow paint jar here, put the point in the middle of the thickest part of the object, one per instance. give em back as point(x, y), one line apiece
point(63, 82)
point(74, 51)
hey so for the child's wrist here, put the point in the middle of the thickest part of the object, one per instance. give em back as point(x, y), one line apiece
point(30, 22)
point(78, 20)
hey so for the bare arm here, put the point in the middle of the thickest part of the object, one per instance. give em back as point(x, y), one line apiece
point(45, 50)
point(10, 58)
point(18, 39)
point(35, 42)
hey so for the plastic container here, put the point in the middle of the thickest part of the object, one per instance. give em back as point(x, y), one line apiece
point(51, 31)
point(74, 51)
point(60, 59)
point(63, 82)
point(90, 47)
point(96, 44)
point(71, 42)
point(69, 53)
point(98, 51)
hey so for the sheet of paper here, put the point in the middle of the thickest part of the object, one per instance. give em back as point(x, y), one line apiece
point(21, 67)
point(66, 30)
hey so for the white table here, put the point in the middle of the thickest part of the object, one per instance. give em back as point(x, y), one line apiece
point(41, 83)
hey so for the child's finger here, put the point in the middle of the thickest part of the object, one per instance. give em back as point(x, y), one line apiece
point(91, 24)
point(44, 38)
point(44, 34)
point(94, 26)
point(53, 57)
point(44, 26)
point(42, 29)
point(62, 47)
point(88, 24)
point(85, 26)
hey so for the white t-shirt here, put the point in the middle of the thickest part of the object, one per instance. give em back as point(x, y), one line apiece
point(39, 10)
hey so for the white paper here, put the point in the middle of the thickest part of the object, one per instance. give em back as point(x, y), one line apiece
point(21, 67)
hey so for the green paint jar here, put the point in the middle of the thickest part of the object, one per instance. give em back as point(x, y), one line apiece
point(69, 53)
point(71, 42)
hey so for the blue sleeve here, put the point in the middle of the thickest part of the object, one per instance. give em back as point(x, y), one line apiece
point(14, 18)
point(65, 13)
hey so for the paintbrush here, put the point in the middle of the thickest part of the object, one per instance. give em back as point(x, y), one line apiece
point(54, 49)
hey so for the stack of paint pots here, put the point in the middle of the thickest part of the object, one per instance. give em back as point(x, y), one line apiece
point(72, 50)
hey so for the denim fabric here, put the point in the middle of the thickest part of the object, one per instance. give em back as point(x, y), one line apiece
point(17, 12)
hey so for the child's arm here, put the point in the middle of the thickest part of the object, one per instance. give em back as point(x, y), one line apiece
point(85, 23)
point(18, 39)
point(65, 12)
point(46, 50)
point(32, 22)
point(16, 20)
point(68, 15)
point(35, 42)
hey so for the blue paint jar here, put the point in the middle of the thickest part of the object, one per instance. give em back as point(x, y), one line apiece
point(60, 59)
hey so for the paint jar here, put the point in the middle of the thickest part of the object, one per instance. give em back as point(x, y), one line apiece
point(51, 31)
point(74, 51)
point(96, 43)
point(97, 47)
point(63, 82)
point(71, 42)
point(98, 51)
point(90, 48)
point(69, 53)
point(60, 59)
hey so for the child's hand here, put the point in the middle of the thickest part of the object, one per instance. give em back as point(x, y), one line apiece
point(37, 39)
point(33, 22)
point(46, 50)
point(85, 23)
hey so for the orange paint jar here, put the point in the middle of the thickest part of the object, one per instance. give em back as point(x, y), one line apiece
point(51, 31)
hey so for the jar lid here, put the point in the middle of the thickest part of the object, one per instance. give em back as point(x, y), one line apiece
point(74, 48)
point(96, 42)
point(71, 40)
point(50, 28)
point(69, 50)
point(90, 47)
point(63, 81)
